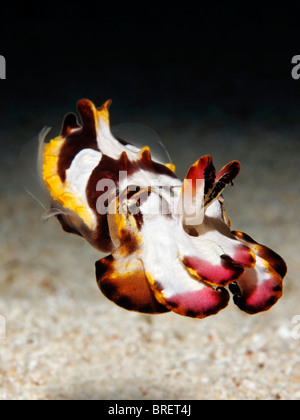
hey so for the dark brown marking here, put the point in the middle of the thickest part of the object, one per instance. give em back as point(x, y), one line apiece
point(234, 288)
point(139, 220)
point(125, 302)
point(209, 176)
point(88, 114)
point(70, 122)
point(191, 314)
point(162, 169)
point(190, 230)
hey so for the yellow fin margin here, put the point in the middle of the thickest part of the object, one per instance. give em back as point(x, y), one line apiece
point(170, 166)
point(103, 113)
point(61, 191)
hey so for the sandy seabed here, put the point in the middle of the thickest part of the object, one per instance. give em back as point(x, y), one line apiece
point(61, 339)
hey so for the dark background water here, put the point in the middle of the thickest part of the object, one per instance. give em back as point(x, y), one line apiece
point(218, 61)
point(215, 67)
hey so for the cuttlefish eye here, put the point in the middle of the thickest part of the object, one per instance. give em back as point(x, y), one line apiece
point(134, 197)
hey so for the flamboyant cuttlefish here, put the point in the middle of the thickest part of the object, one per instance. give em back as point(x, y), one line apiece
point(169, 242)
